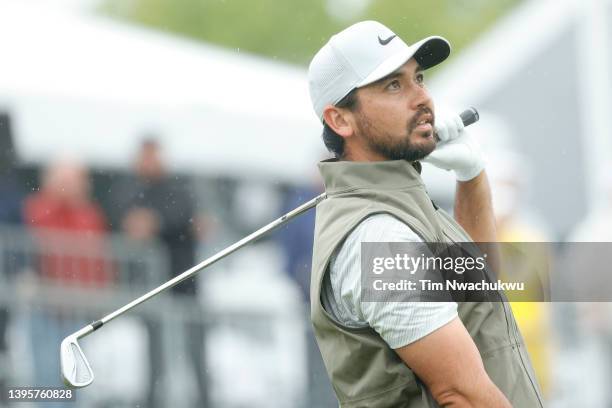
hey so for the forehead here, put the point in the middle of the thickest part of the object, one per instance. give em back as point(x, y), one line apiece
point(411, 65)
point(409, 68)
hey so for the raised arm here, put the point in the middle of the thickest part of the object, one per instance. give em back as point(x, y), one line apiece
point(474, 210)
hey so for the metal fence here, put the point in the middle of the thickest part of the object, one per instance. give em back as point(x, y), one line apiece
point(174, 350)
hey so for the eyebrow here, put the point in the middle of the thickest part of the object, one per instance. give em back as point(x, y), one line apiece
point(395, 74)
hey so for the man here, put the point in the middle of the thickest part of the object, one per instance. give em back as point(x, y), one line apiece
point(367, 87)
point(154, 205)
point(11, 198)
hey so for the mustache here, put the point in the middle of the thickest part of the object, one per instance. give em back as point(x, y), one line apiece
point(412, 124)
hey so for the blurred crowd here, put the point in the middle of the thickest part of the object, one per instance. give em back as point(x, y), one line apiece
point(75, 234)
point(70, 232)
point(70, 229)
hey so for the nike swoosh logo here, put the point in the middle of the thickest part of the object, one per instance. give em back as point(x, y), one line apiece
point(386, 40)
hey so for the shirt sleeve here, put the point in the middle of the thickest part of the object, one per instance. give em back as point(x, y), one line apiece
point(398, 323)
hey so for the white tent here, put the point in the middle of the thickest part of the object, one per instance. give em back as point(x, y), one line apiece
point(87, 86)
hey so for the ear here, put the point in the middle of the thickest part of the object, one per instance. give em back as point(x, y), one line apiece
point(340, 120)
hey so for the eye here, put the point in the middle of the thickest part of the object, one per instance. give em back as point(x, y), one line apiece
point(395, 84)
point(420, 78)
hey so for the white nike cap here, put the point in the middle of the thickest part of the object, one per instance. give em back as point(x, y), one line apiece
point(361, 54)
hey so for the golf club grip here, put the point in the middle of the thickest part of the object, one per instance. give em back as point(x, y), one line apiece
point(469, 116)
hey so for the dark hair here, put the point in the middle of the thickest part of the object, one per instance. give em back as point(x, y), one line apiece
point(333, 141)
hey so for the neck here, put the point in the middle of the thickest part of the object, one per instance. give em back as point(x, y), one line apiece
point(365, 155)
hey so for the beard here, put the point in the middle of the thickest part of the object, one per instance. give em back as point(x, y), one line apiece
point(398, 148)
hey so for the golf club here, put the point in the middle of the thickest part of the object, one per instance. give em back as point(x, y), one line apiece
point(75, 369)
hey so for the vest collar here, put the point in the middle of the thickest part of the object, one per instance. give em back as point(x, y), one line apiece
point(342, 175)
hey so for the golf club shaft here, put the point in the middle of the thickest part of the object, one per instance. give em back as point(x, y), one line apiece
point(197, 268)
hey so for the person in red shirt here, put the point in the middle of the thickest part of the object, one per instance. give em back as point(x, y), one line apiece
point(69, 228)
point(69, 232)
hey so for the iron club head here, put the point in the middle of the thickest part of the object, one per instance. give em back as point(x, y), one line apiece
point(75, 369)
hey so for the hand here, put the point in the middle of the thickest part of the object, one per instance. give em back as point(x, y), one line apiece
point(456, 150)
point(141, 224)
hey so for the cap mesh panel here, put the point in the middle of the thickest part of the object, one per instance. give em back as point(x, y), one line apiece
point(329, 73)
point(326, 74)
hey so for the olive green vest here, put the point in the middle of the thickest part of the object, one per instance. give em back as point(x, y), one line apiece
point(363, 370)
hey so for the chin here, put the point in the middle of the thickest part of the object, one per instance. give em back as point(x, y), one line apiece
point(425, 142)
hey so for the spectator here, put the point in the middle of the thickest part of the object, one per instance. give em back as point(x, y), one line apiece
point(297, 237)
point(11, 194)
point(151, 205)
point(63, 207)
point(68, 231)
point(11, 197)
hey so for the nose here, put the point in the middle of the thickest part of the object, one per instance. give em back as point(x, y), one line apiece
point(421, 98)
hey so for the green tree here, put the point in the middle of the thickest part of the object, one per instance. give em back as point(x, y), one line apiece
point(292, 30)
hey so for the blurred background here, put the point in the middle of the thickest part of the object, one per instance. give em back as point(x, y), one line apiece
point(138, 137)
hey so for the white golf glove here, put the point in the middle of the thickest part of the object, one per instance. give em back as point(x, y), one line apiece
point(456, 150)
